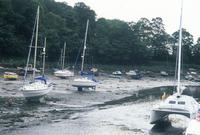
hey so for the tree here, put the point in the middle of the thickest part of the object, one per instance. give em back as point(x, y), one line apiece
point(159, 39)
point(187, 44)
point(196, 52)
point(141, 41)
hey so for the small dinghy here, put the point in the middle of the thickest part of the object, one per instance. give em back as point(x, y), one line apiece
point(134, 74)
point(118, 73)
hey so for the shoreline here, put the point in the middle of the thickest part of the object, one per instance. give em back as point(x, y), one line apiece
point(106, 84)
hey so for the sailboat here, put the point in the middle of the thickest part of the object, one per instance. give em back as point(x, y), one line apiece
point(38, 86)
point(86, 80)
point(176, 103)
point(63, 73)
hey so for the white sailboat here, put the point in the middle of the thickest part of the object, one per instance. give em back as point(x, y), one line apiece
point(176, 103)
point(84, 81)
point(63, 73)
point(38, 86)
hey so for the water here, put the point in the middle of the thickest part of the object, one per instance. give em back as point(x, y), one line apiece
point(65, 111)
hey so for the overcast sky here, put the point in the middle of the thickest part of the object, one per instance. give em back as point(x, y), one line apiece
point(133, 10)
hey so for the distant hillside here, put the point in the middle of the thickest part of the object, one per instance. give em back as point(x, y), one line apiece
point(109, 41)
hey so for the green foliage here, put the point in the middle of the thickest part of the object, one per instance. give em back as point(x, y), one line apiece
point(108, 42)
point(187, 43)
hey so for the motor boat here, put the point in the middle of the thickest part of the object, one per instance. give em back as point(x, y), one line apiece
point(117, 73)
point(134, 74)
point(10, 76)
point(29, 69)
point(63, 73)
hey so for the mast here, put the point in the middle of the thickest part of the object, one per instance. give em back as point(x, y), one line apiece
point(31, 44)
point(179, 50)
point(44, 53)
point(84, 48)
point(36, 38)
point(63, 60)
point(60, 59)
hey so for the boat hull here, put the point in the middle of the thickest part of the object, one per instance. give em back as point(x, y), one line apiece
point(39, 90)
point(35, 93)
point(10, 76)
point(63, 74)
point(159, 115)
point(84, 84)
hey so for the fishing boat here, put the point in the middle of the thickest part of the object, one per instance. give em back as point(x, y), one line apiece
point(176, 103)
point(63, 73)
point(86, 80)
point(37, 86)
point(10, 76)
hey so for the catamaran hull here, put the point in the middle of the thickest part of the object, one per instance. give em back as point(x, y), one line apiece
point(159, 115)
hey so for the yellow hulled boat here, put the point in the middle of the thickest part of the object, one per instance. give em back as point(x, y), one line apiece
point(10, 76)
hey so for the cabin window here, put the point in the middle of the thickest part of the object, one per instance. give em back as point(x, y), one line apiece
point(172, 102)
point(181, 103)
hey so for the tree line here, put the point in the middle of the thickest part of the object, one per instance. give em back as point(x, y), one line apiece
point(109, 41)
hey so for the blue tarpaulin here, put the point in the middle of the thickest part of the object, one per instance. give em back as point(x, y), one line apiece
point(89, 75)
point(42, 78)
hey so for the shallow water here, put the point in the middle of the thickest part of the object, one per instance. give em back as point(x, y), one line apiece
point(66, 111)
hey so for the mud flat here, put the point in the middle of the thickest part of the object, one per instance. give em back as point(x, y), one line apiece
point(115, 107)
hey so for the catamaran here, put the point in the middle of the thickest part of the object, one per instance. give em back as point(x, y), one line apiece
point(86, 80)
point(176, 103)
point(63, 73)
point(38, 86)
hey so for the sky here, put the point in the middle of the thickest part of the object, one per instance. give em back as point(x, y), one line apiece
point(133, 10)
